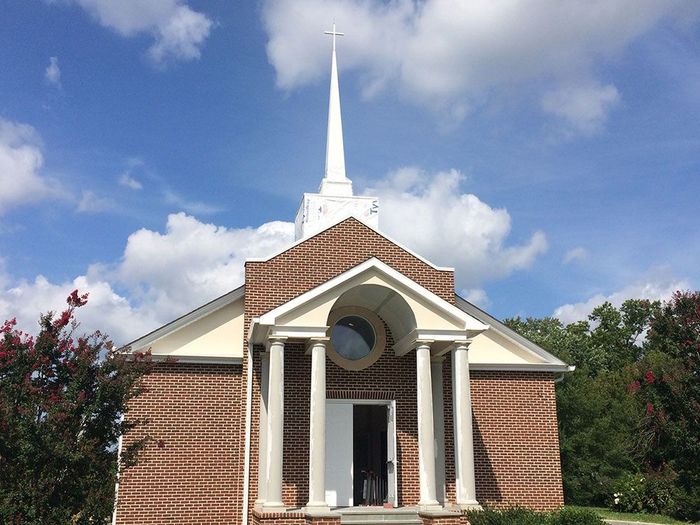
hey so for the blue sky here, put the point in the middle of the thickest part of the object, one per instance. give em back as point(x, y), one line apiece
point(550, 152)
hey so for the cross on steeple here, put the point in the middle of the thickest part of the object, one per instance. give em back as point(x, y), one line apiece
point(335, 182)
point(335, 34)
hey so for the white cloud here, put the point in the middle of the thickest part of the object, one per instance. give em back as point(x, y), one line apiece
point(178, 31)
point(125, 179)
point(429, 214)
point(159, 277)
point(53, 72)
point(193, 207)
point(577, 254)
point(477, 296)
point(162, 275)
point(584, 107)
point(653, 288)
point(449, 56)
point(89, 202)
point(21, 160)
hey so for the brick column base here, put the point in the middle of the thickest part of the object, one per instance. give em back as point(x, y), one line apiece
point(443, 517)
point(294, 518)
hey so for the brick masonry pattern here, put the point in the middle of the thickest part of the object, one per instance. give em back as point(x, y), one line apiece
point(198, 410)
point(188, 473)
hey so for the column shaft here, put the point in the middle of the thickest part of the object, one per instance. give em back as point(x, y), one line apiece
point(426, 443)
point(275, 426)
point(439, 422)
point(464, 441)
point(317, 430)
point(262, 437)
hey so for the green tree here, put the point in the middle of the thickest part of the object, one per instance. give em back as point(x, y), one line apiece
point(596, 416)
point(61, 402)
point(668, 386)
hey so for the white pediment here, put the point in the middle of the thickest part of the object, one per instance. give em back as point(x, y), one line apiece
point(374, 285)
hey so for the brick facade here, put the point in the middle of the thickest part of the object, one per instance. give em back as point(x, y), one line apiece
point(516, 440)
point(189, 472)
point(199, 410)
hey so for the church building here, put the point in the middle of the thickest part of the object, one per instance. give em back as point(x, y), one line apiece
point(344, 382)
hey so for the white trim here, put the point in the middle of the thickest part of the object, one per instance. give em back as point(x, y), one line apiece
point(187, 319)
point(248, 425)
point(197, 359)
point(407, 343)
point(299, 332)
point(116, 484)
point(408, 250)
point(470, 322)
point(503, 330)
point(523, 367)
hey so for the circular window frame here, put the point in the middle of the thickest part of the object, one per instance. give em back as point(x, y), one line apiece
point(379, 337)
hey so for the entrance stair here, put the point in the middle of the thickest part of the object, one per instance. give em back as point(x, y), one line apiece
point(379, 516)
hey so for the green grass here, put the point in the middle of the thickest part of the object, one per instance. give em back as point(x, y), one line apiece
point(634, 516)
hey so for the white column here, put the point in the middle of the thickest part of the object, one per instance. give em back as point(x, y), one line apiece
point(317, 430)
point(464, 441)
point(275, 426)
point(262, 436)
point(426, 444)
point(439, 421)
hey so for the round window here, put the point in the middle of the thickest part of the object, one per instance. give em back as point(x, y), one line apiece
point(353, 337)
point(357, 337)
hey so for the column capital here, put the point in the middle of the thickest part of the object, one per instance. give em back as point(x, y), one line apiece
point(423, 343)
point(274, 340)
point(462, 345)
point(316, 342)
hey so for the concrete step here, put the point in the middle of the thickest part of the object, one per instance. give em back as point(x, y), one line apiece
point(375, 516)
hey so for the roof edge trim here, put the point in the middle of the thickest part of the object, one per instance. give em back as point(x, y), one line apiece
point(187, 319)
point(511, 334)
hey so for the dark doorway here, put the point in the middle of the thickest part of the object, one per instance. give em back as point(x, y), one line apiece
point(369, 454)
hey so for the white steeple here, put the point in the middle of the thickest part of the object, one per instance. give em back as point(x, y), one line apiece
point(334, 200)
point(334, 180)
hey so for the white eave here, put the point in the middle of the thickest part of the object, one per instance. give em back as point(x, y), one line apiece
point(185, 320)
point(550, 363)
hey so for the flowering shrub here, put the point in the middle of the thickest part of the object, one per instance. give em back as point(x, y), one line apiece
point(61, 398)
point(639, 493)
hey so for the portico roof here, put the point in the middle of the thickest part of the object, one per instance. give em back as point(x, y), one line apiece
point(306, 315)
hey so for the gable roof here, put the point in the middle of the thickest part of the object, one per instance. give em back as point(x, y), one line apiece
point(187, 319)
point(551, 362)
point(340, 284)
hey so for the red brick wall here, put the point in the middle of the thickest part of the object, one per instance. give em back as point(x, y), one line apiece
point(297, 270)
point(330, 253)
point(189, 472)
point(516, 439)
point(199, 410)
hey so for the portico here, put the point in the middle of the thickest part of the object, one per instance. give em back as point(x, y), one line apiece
point(426, 329)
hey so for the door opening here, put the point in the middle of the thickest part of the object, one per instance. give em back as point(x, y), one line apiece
point(370, 454)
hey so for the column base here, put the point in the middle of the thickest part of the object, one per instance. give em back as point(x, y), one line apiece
point(468, 505)
point(429, 506)
point(316, 508)
point(273, 506)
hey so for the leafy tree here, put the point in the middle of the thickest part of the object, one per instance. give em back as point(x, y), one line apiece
point(596, 416)
point(668, 385)
point(61, 398)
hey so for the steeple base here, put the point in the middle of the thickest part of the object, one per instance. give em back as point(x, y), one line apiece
point(334, 188)
point(318, 212)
